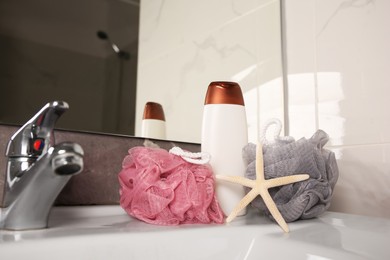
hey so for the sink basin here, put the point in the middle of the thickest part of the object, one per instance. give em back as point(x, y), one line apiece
point(107, 232)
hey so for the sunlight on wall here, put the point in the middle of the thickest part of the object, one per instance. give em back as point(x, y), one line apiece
point(330, 116)
point(314, 103)
point(263, 103)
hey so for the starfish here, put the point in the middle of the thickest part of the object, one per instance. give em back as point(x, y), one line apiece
point(260, 187)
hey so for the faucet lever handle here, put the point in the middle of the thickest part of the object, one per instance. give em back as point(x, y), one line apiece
point(35, 137)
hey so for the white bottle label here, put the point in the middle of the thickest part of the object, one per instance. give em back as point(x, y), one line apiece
point(224, 134)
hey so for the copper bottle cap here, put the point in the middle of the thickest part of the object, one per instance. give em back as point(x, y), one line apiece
point(153, 110)
point(224, 92)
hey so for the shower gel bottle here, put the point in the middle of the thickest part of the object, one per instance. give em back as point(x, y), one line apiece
point(153, 122)
point(224, 134)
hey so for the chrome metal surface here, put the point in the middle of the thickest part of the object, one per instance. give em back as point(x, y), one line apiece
point(37, 170)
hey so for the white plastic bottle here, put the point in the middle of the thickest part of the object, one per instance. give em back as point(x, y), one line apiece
point(153, 121)
point(224, 134)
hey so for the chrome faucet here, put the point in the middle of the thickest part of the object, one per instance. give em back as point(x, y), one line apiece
point(37, 170)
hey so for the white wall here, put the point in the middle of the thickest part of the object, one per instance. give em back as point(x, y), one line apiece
point(184, 45)
point(338, 61)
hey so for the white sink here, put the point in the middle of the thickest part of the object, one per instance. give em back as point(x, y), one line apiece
point(107, 232)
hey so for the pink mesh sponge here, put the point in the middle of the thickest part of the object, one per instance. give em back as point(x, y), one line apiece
point(161, 188)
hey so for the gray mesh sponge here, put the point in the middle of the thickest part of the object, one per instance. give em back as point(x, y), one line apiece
point(301, 200)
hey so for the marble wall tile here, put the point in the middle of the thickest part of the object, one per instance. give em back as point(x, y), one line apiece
point(352, 42)
point(363, 185)
point(300, 65)
point(337, 55)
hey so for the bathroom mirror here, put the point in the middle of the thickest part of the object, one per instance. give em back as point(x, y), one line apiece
point(107, 58)
point(64, 50)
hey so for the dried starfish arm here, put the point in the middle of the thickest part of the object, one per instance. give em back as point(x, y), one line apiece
point(259, 162)
point(280, 181)
point(237, 179)
point(243, 203)
point(274, 209)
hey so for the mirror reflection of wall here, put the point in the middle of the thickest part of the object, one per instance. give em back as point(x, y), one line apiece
point(184, 45)
point(50, 50)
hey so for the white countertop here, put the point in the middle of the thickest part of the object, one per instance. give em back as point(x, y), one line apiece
point(107, 232)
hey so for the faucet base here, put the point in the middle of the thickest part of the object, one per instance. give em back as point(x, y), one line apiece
point(30, 197)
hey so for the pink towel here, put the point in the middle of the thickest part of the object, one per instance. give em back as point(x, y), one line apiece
point(161, 188)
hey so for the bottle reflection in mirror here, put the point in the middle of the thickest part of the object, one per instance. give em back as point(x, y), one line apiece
point(153, 121)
